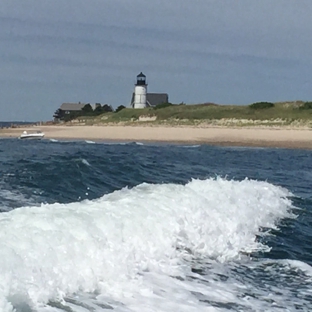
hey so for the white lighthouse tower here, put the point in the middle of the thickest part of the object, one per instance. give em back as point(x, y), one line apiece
point(140, 91)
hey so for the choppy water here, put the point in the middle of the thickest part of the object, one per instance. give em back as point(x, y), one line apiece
point(88, 226)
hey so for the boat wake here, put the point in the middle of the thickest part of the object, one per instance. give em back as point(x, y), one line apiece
point(146, 247)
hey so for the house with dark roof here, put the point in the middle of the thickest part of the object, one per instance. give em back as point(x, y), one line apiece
point(153, 99)
point(70, 107)
point(68, 111)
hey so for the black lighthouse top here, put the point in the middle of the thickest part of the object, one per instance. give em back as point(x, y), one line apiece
point(141, 79)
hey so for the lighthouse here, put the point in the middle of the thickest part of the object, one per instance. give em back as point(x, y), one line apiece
point(140, 91)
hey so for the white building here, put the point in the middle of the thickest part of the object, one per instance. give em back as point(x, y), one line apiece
point(140, 97)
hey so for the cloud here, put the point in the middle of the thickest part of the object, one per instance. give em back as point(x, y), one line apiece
point(202, 50)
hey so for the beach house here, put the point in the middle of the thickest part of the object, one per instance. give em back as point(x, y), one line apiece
point(69, 111)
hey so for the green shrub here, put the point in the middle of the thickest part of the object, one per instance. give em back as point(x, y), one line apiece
point(163, 105)
point(87, 109)
point(306, 105)
point(261, 105)
point(119, 108)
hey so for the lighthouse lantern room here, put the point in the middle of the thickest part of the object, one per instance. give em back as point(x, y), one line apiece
point(140, 91)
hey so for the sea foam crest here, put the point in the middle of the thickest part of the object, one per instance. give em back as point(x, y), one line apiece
point(110, 244)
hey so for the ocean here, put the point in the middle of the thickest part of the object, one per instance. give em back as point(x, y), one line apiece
point(95, 226)
point(8, 124)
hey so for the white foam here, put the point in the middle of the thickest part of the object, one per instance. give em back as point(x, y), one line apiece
point(190, 146)
point(299, 265)
point(128, 244)
point(85, 162)
point(115, 143)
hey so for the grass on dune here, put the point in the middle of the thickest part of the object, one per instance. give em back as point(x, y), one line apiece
point(286, 111)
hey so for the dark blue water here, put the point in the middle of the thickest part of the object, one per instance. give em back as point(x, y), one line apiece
point(7, 124)
point(278, 279)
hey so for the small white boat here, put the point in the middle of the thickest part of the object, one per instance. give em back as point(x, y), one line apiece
point(32, 135)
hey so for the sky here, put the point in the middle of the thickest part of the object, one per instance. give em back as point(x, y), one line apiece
point(197, 51)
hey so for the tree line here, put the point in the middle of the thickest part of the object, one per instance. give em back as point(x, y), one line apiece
point(87, 110)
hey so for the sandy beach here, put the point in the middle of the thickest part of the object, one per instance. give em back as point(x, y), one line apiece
point(262, 137)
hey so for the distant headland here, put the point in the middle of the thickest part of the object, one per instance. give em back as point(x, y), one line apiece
point(155, 108)
point(288, 113)
point(261, 124)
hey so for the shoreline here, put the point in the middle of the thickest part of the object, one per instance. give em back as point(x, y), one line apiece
point(221, 136)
